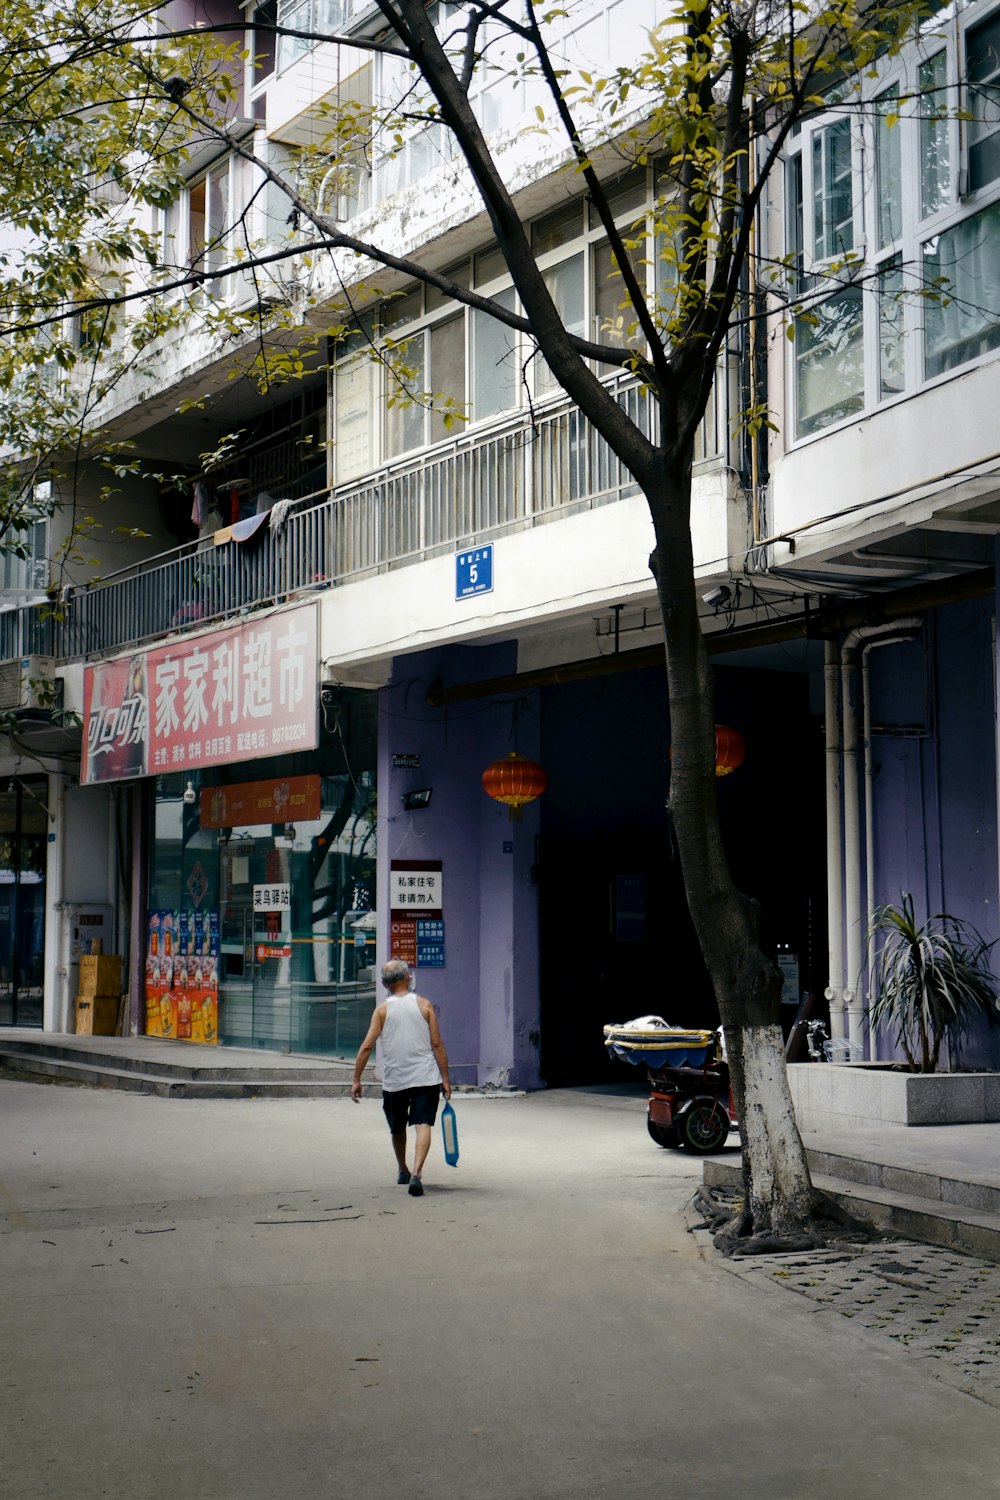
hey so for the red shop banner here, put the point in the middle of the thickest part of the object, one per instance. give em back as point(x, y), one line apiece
point(294, 799)
point(207, 700)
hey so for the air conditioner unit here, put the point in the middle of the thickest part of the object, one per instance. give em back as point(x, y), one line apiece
point(27, 682)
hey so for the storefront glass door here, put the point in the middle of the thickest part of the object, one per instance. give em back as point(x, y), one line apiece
point(23, 850)
point(286, 902)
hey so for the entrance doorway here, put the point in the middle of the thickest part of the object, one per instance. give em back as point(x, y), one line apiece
point(23, 851)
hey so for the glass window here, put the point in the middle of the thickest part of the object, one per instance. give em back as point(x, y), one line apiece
point(353, 397)
point(447, 373)
point(263, 19)
point(964, 320)
point(889, 290)
point(558, 228)
point(889, 170)
point(983, 57)
point(614, 315)
point(935, 147)
point(494, 353)
point(832, 191)
point(565, 284)
point(406, 396)
point(829, 362)
point(489, 265)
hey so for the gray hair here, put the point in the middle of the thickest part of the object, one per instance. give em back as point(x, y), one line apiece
point(395, 970)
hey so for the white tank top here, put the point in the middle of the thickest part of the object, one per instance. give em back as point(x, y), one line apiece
point(408, 1060)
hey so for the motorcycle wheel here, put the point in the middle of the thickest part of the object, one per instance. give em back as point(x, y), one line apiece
point(704, 1127)
point(663, 1135)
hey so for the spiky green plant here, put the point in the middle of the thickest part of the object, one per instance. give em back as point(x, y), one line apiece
point(931, 980)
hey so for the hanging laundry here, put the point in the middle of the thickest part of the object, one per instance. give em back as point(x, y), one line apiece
point(201, 505)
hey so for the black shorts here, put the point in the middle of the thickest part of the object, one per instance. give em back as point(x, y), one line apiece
point(411, 1107)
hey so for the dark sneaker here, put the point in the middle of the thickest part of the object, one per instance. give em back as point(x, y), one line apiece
point(416, 1188)
point(403, 1177)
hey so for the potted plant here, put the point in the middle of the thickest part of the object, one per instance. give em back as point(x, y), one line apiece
point(931, 981)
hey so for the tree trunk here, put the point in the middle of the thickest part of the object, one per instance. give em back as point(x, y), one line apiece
point(779, 1196)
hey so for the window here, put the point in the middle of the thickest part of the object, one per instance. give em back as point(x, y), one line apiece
point(614, 315)
point(28, 573)
point(831, 194)
point(354, 404)
point(935, 136)
point(323, 16)
point(965, 321)
point(197, 224)
point(983, 62)
point(889, 167)
point(829, 362)
point(565, 284)
point(494, 369)
point(891, 308)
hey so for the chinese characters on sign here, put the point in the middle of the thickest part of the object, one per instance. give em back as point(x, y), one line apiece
point(233, 694)
point(272, 897)
point(430, 945)
point(415, 888)
point(474, 572)
point(416, 915)
point(293, 799)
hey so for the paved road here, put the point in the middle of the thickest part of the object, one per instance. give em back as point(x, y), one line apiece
point(228, 1301)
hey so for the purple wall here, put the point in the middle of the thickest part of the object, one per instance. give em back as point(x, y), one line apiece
point(487, 994)
point(935, 796)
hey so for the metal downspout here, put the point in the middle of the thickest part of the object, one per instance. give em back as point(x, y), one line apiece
point(855, 932)
point(906, 632)
point(834, 852)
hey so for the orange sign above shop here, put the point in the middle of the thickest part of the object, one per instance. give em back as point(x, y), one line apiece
point(291, 799)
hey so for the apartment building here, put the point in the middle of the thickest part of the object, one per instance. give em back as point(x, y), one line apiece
point(359, 604)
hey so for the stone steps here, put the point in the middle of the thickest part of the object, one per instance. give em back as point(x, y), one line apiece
point(919, 1205)
point(92, 1066)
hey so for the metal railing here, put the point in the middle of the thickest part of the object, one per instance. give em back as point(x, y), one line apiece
point(479, 486)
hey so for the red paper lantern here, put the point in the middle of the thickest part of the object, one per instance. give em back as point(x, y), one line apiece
point(729, 749)
point(514, 780)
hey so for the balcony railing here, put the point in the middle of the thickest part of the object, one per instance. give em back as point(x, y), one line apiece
point(477, 487)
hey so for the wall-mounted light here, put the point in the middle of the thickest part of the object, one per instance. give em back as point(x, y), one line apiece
point(417, 799)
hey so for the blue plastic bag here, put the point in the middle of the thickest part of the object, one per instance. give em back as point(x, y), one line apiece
point(449, 1132)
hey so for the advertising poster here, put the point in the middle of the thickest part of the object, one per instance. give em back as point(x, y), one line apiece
point(182, 975)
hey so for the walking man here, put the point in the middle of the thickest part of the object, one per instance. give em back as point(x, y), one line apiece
point(414, 1068)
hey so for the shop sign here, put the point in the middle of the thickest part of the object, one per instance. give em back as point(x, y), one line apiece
point(272, 898)
point(293, 799)
point(206, 700)
point(415, 886)
point(273, 950)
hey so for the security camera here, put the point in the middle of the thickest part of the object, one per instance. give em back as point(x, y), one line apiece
point(190, 795)
point(328, 696)
point(717, 597)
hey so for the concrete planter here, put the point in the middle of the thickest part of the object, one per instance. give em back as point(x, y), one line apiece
point(859, 1096)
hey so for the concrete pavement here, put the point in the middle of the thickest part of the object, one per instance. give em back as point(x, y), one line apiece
point(233, 1300)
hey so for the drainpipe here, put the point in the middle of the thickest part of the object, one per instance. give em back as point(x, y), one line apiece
point(854, 930)
point(834, 860)
point(55, 1012)
point(906, 629)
